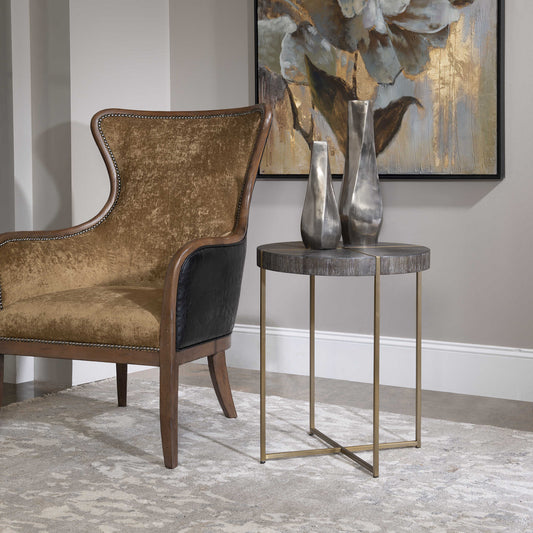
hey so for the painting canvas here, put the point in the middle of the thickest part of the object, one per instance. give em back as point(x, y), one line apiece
point(431, 67)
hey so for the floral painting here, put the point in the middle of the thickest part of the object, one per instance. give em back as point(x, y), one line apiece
point(431, 68)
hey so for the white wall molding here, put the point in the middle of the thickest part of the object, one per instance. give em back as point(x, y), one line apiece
point(21, 369)
point(494, 371)
point(22, 121)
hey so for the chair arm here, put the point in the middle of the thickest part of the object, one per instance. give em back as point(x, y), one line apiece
point(208, 291)
point(26, 266)
point(30, 260)
point(37, 262)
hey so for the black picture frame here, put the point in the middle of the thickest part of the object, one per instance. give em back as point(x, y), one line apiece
point(499, 149)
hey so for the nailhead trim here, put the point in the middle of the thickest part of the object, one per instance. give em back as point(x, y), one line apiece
point(90, 344)
point(129, 115)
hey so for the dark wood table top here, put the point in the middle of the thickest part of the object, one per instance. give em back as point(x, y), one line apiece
point(295, 258)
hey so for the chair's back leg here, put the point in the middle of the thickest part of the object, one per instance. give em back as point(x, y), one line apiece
point(1, 379)
point(219, 376)
point(122, 384)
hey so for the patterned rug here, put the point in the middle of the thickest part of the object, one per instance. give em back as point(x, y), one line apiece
point(73, 462)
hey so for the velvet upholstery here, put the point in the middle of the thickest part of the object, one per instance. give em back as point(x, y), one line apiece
point(180, 178)
point(122, 315)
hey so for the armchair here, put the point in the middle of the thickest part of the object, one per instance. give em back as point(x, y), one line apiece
point(154, 279)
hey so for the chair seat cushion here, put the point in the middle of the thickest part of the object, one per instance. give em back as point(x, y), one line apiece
point(125, 316)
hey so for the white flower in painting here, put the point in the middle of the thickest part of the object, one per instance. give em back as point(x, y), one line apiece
point(391, 35)
point(270, 34)
point(351, 8)
point(306, 41)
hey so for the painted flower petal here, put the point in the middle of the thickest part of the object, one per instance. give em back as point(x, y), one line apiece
point(270, 34)
point(392, 8)
point(373, 17)
point(306, 41)
point(380, 58)
point(387, 121)
point(427, 16)
point(351, 8)
point(411, 49)
point(342, 32)
point(330, 96)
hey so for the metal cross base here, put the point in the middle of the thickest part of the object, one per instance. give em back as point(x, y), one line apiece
point(348, 451)
point(335, 447)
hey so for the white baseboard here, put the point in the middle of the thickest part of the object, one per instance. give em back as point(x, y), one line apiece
point(88, 371)
point(18, 369)
point(494, 371)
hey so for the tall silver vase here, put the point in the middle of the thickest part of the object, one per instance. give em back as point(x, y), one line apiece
point(320, 225)
point(360, 205)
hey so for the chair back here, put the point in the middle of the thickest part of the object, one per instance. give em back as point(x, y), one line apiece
point(175, 177)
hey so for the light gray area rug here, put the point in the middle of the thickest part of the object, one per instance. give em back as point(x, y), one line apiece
point(74, 462)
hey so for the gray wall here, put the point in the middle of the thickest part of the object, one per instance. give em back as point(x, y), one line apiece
point(50, 94)
point(211, 53)
point(7, 170)
point(479, 289)
point(7, 183)
point(50, 124)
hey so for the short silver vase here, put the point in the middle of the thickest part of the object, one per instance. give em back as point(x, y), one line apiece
point(360, 204)
point(320, 225)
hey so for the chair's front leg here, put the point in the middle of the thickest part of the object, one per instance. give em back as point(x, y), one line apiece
point(219, 376)
point(122, 384)
point(168, 407)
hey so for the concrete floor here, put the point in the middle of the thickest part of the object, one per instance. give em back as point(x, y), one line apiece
point(455, 407)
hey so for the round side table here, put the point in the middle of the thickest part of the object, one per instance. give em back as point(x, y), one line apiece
point(369, 260)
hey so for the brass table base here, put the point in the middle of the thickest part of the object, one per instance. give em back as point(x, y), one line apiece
point(348, 451)
point(335, 447)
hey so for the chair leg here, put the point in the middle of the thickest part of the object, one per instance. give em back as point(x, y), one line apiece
point(168, 409)
point(122, 384)
point(1, 379)
point(219, 376)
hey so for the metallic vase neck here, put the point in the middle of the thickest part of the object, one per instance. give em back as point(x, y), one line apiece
point(361, 206)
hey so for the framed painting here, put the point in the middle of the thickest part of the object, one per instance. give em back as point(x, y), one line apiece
point(433, 69)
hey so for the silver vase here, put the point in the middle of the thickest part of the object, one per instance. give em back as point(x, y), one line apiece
point(360, 205)
point(320, 225)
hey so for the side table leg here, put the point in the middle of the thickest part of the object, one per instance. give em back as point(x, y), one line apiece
point(311, 354)
point(418, 436)
point(375, 441)
point(262, 367)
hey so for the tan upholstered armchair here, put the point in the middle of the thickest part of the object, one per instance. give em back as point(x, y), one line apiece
point(154, 278)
